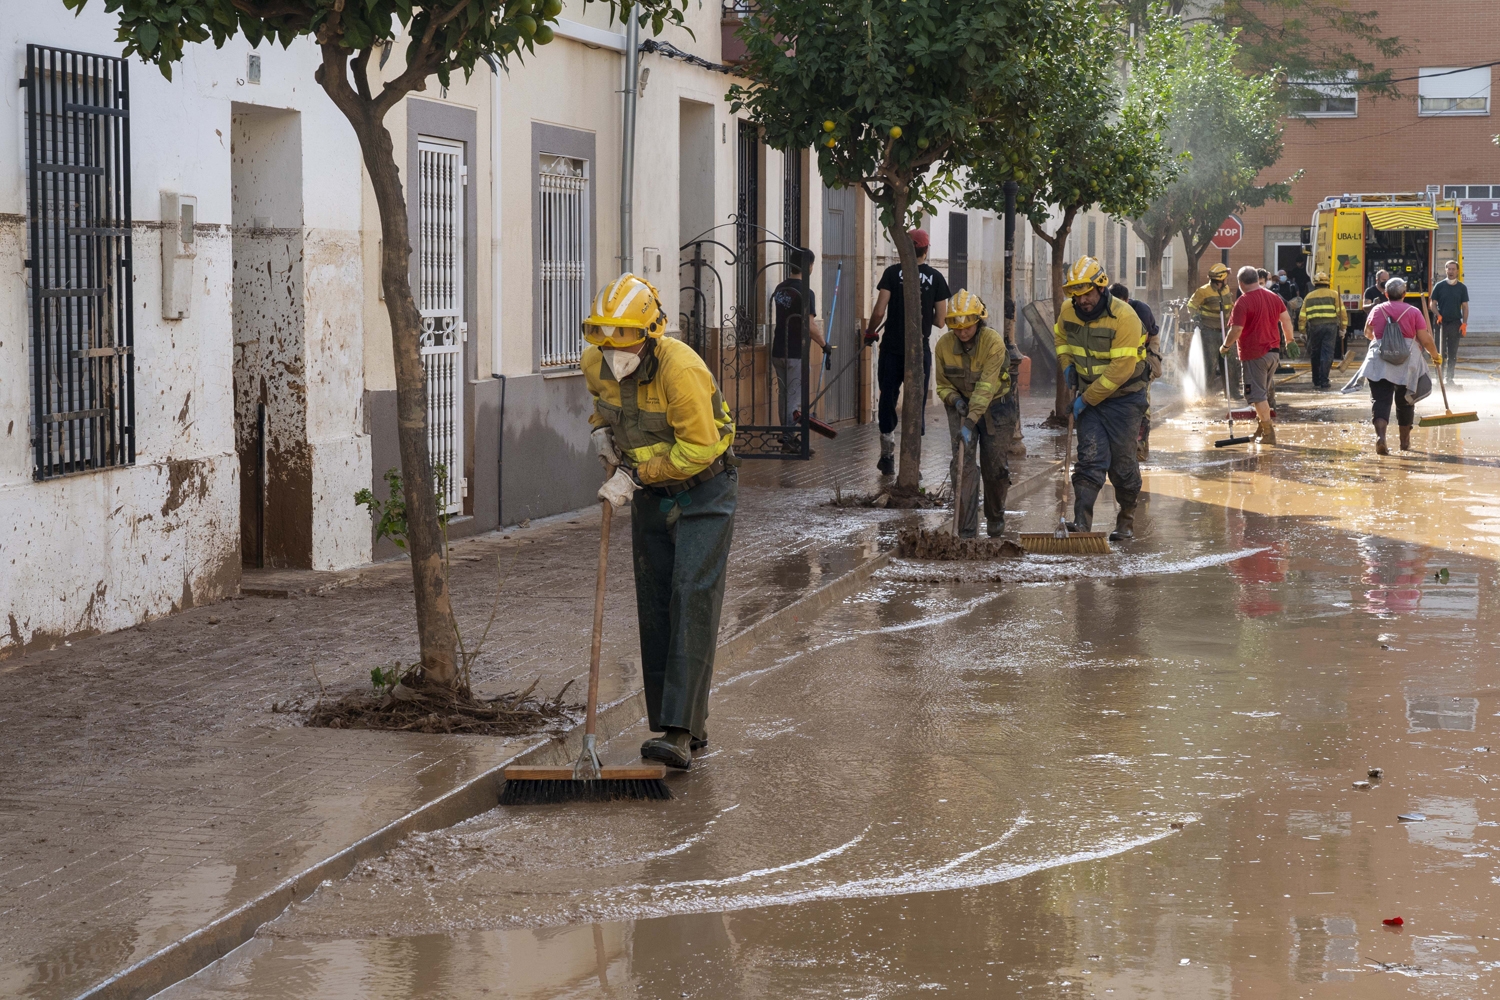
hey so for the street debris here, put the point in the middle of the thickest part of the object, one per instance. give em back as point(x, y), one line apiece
point(1376, 773)
point(915, 543)
point(413, 706)
point(893, 498)
point(1362, 785)
point(1441, 575)
point(1412, 817)
point(1393, 922)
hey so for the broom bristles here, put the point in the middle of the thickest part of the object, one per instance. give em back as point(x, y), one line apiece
point(1078, 543)
point(1447, 418)
point(550, 791)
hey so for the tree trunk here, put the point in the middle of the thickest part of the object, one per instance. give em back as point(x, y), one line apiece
point(437, 630)
point(1058, 241)
point(914, 385)
point(1154, 250)
point(1193, 261)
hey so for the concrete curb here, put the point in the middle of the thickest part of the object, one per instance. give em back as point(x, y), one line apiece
point(199, 949)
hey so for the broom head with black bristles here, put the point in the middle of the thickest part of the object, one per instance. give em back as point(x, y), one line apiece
point(531, 785)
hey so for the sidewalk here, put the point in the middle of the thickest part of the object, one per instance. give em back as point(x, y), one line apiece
point(154, 800)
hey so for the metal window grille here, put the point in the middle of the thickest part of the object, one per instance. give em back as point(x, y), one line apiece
point(791, 198)
point(79, 261)
point(440, 297)
point(563, 264)
point(746, 244)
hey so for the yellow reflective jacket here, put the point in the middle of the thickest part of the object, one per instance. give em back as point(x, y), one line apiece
point(675, 422)
point(1207, 300)
point(1109, 353)
point(1322, 306)
point(978, 371)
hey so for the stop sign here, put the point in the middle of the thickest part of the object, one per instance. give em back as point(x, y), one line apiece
point(1230, 231)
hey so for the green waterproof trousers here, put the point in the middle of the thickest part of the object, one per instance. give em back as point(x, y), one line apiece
point(680, 546)
point(992, 440)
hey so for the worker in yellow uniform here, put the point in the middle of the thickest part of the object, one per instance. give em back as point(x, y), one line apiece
point(1102, 346)
point(973, 381)
point(1211, 305)
point(1322, 320)
point(663, 428)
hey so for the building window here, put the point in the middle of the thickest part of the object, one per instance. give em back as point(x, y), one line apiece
point(1140, 265)
point(1332, 97)
point(1443, 91)
point(440, 299)
point(1457, 192)
point(80, 263)
point(563, 264)
point(1166, 267)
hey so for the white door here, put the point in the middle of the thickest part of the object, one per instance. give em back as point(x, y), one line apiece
point(440, 297)
point(1482, 275)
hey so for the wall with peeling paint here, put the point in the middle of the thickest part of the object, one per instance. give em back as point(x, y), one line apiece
point(104, 550)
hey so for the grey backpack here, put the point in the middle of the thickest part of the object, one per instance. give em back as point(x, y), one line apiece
point(1394, 350)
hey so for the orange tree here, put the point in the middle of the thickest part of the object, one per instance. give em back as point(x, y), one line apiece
point(1090, 142)
point(895, 95)
point(442, 36)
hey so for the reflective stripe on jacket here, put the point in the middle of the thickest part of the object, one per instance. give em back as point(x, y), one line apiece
point(669, 409)
point(1207, 301)
point(978, 371)
point(1109, 353)
point(1321, 307)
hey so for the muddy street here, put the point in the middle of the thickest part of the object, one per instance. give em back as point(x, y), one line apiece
point(1145, 774)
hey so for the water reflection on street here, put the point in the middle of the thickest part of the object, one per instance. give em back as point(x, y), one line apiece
point(1131, 775)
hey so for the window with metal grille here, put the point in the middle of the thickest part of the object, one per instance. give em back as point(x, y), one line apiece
point(79, 261)
point(746, 233)
point(563, 264)
point(440, 298)
point(791, 198)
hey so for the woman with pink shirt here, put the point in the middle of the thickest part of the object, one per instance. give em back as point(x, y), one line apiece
point(1402, 384)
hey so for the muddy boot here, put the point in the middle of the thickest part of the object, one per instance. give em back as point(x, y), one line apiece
point(887, 462)
point(1266, 434)
point(995, 528)
point(673, 748)
point(1124, 525)
point(1405, 438)
point(1380, 446)
point(695, 744)
point(1083, 509)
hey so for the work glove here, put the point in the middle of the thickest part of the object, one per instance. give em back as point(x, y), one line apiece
point(1070, 377)
point(619, 488)
point(603, 440)
point(870, 337)
point(958, 403)
point(1291, 349)
point(1078, 405)
point(1463, 329)
point(828, 350)
point(966, 434)
point(1437, 359)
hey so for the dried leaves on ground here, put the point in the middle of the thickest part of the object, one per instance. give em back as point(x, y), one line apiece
point(414, 706)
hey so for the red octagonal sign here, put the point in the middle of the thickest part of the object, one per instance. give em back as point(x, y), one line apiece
point(1230, 231)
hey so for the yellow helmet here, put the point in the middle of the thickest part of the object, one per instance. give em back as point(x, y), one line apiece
point(1085, 274)
point(1218, 272)
point(965, 309)
point(1321, 278)
point(626, 311)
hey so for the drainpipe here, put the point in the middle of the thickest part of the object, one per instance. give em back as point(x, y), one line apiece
point(627, 146)
point(496, 291)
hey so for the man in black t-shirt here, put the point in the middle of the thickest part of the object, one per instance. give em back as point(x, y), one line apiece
point(1375, 294)
point(890, 306)
point(786, 344)
point(1450, 317)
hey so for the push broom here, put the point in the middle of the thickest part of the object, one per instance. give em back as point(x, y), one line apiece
point(1063, 542)
point(587, 780)
point(1448, 417)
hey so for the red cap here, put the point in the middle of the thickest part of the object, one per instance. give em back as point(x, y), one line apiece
point(920, 238)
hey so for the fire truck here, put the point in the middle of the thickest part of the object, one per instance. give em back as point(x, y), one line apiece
point(1410, 235)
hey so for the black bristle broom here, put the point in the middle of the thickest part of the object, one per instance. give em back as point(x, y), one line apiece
point(587, 780)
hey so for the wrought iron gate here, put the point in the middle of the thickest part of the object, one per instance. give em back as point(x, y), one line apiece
point(440, 297)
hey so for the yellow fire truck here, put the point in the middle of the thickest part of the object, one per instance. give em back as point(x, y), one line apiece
point(1410, 235)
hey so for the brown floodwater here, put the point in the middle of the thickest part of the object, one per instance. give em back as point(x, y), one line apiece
point(1130, 775)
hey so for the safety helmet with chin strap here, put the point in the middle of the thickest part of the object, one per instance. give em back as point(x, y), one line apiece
point(626, 311)
point(1218, 272)
point(1085, 275)
point(965, 309)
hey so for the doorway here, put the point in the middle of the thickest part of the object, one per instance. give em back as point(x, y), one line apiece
point(837, 305)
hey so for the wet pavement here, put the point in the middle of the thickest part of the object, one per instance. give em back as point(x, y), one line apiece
point(154, 788)
point(1131, 775)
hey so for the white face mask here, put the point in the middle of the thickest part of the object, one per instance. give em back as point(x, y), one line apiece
point(622, 363)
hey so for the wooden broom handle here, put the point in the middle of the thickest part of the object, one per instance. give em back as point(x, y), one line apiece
point(958, 485)
point(593, 709)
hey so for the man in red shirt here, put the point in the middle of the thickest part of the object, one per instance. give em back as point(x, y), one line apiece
point(1259, 326)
